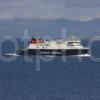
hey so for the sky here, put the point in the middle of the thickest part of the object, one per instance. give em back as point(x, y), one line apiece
point(50, 9)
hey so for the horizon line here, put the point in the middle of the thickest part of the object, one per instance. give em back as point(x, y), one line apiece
point(49, 19)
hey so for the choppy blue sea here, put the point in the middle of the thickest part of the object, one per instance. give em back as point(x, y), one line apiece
point(68, 79)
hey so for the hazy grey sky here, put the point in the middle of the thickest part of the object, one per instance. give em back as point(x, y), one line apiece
point(50, 9)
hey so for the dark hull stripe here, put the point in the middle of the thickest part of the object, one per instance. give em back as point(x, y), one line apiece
point(66, 52)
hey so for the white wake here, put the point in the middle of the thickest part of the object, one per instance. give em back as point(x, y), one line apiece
point(11, 54)
point(82, 55)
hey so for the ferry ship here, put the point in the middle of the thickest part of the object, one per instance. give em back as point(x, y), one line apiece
point(58, 47)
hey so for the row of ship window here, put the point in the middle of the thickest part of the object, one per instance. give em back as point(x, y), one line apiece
point(49, 45)
point(43, 44)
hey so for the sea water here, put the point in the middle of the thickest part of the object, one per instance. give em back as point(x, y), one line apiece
point(54, 78)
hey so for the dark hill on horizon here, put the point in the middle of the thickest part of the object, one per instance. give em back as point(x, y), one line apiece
point(51, 28)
